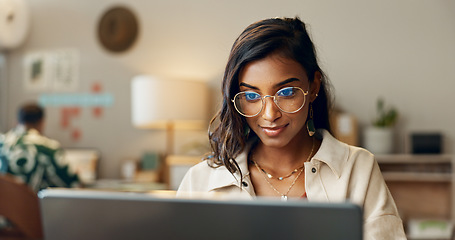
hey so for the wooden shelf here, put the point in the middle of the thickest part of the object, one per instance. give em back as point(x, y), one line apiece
point(414, 158)
point(417, 177)
point(423, 186)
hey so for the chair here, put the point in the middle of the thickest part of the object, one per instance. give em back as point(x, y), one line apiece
point(20, 206)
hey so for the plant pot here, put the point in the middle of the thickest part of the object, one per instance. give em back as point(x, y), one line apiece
point(378, 140)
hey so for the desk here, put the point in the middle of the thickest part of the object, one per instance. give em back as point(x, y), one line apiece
point(125, 186)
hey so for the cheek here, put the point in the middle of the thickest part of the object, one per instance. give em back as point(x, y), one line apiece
point(299, 118)
point(300, 115)
point(251, 122)
point(303, 114)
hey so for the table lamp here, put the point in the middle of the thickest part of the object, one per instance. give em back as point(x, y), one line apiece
point(169, 104)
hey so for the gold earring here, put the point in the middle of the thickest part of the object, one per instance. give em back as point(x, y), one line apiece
point(310, 123)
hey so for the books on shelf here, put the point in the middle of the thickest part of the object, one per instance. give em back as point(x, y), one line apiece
point(430, 229)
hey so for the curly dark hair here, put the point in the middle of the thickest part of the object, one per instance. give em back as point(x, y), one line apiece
point(289, 38)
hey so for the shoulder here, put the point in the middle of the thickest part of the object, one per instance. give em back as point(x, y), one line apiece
point(35, 138)
point(201, 169)
point(196, 178)
point(362, 162)
point(340, 156)
point(204, 171)
point(361, 154)
point(10, 138)
point(332, 145)
point(205, 178)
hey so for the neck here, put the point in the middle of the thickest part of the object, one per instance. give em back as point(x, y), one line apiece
point(32, 126)
point(288, 157)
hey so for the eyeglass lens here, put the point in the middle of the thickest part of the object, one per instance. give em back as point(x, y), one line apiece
point(289, 99)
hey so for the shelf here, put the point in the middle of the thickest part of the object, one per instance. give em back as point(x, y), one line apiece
point(430, 178)
point(417, 177)
point(414, 158)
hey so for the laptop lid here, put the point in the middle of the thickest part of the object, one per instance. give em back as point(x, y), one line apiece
point(84, 214)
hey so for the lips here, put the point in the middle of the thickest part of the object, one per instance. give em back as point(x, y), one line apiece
point(273, 131)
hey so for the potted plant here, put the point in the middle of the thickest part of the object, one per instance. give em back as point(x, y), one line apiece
point(378, 137)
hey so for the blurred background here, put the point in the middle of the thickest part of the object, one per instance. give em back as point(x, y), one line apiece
point(402, 51)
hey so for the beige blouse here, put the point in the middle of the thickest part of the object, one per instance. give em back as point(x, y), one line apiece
point(336, 173)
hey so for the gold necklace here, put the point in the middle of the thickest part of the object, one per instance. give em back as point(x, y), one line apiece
point(270, 176)
point(284, 197)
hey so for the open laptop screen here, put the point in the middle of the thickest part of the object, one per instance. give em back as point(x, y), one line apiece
point(84, 214)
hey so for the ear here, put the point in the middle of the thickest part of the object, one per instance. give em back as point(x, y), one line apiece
point(315, 86)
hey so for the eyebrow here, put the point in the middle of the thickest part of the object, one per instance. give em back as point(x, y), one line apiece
point(249, 86)
point(287, 81)
point(276, 85)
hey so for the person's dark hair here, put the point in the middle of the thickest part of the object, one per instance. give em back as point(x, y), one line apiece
point(285, 36)
point(30, 113)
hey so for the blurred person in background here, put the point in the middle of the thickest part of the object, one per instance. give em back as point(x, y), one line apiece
point(3, 161)
point(30, 156)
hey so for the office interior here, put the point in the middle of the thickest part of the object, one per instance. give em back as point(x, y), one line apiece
point(400, 51)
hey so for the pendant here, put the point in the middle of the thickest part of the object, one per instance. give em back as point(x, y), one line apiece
point(310, 127)
point(284, 198)
point(280, 178)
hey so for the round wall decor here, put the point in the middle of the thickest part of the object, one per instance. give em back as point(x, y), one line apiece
point(118, 29)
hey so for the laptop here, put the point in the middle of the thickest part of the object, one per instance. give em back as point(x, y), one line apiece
point(86, 214)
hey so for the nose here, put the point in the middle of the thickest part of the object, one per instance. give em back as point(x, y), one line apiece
point(271, 112)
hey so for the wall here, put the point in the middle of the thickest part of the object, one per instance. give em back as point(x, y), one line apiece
point(3, 92)
point(401, 50)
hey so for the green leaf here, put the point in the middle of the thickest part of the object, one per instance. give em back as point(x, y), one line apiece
point(385, 117)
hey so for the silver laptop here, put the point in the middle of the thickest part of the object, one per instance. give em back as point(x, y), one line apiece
point(84, 214)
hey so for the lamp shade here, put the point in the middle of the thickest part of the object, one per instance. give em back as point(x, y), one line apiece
point(156, 103)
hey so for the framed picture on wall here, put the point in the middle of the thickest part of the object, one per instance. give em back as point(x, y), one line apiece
point(51, 70)
point(36, 71)
point(65, 69)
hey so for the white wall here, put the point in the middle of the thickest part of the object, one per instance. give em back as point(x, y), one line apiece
point(402, 50)
point(3, 92)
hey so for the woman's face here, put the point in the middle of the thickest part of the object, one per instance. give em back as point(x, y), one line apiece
point(266, 76)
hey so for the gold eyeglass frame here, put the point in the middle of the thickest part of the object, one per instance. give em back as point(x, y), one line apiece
point(305, 93)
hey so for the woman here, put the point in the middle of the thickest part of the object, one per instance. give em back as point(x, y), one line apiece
point(274, 137)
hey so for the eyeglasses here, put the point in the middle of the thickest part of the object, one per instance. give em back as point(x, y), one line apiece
point(288, 100)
